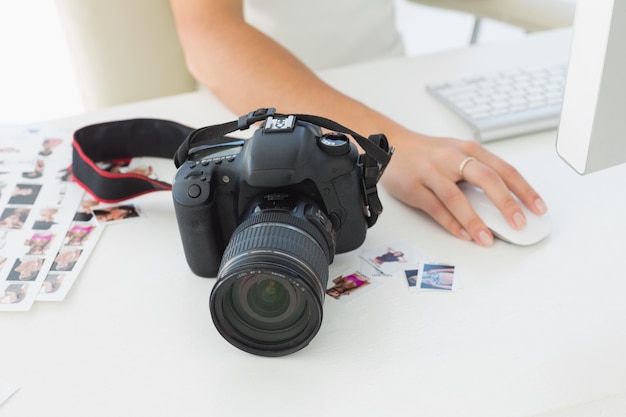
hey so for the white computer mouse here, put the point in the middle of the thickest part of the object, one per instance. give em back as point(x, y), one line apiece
point(537, 227)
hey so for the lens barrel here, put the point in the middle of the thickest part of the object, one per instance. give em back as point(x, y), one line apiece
point(271, 284)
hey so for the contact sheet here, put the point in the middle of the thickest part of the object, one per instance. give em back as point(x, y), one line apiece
point(47, 227)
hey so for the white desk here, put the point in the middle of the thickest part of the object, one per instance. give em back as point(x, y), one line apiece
point(533, 329)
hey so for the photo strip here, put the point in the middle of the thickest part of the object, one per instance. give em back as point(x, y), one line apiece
point(42, 243)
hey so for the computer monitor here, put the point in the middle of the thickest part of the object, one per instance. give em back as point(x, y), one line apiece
point(592, 129)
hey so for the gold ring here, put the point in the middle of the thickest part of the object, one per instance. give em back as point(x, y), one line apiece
point(465, 162)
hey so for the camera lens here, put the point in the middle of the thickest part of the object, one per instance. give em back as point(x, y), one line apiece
point(271, 284)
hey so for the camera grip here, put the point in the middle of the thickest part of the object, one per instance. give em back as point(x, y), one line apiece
point(202, 251)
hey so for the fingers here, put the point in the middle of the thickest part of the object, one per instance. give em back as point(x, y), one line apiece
point(500, 182)
point(432, 186)
point(433, 206)
point(483, 176)
point(499, 179)
point(453, 211)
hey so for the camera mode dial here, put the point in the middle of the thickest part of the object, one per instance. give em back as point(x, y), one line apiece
point(334, 143)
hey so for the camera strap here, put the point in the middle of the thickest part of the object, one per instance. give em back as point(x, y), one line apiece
point(378, 148)
point(126, 139)
point(121, 141)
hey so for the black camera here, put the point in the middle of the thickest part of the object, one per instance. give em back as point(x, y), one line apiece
point(266, 216)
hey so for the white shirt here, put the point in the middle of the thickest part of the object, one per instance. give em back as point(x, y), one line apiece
point(328, 33)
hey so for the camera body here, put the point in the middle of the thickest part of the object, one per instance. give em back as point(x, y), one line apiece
point(287, 166)
point(267, 215)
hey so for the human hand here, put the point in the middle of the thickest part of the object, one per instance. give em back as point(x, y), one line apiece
point(424, 173)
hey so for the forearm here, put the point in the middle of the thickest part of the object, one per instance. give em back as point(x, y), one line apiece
point(246, 70)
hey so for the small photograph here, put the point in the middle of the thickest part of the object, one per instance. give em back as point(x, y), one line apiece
point(391, 258)
point(66, 259)
point(39, 243)
point(116, 213)
point(52, 283)
point(25, 268)
point(345, 285)
point(25, 194)
point(13, 218)
point(411, 277)
point(37, 171)
point(437, 277)
point(46, 218)
point(48, 146)
point(84, 212)
point(78, 234)
point(14, 293)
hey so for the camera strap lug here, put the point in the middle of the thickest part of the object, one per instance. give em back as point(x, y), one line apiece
point(372, 171)
point(244, 122)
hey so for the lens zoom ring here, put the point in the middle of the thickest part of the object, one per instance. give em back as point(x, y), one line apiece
point(280, 217)
point(280, 237)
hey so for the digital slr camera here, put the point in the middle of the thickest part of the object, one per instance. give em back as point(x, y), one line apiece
point(266, 216)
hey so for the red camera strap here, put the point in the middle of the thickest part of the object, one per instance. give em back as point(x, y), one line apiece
point(120, 140)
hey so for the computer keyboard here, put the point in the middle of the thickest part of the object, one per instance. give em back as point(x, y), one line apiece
point(508, 103)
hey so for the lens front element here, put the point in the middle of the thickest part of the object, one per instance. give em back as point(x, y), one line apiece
point(270, 289)
point(266, 309)
point(267, 299)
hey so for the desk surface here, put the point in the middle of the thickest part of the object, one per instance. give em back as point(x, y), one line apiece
point(532, 329)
